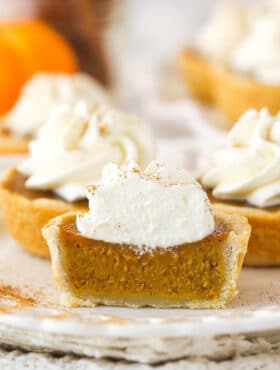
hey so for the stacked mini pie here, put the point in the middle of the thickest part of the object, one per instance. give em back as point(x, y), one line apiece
point(235, 60)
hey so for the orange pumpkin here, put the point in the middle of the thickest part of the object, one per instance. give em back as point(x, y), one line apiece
point(12, 76)
point(28, 47)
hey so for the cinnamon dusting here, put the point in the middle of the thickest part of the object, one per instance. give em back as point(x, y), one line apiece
point(10, 293)
point(103, 129)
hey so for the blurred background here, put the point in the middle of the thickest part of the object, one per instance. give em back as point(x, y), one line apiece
point(130, 46)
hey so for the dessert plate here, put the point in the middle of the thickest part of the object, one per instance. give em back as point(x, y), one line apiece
point(30, 318)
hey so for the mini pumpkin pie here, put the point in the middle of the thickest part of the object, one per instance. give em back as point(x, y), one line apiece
point(149, 239)
point(69, 153)
point(41, 94)
point(235, 60)
point(246, 181)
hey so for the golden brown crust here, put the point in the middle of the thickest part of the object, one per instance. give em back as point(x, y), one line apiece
point(25, 217)
point(232, 247)
point(10, 145)
point(196, 71)
point(232, 93)
point(235, 94)
point(264, 243)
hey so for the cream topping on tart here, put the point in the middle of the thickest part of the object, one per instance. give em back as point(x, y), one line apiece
point(259, 53)
point(74, 145)
point(249, 170)
point(224, 30)
point(157, 207)
point(245, 38)
point(44, 92)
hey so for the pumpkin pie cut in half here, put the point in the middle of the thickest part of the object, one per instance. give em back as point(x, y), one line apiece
point(69, 153)
point(233, 62)
point(245, 181)
point(149, 239)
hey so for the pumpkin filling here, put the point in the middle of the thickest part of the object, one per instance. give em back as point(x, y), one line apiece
point(16, 184)
point(97, 269)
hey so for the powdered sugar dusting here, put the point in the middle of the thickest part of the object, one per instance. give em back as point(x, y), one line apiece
point(30, 276)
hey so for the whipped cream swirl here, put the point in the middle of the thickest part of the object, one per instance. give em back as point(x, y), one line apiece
point(223, 32)
point(73, 146)
point(250, 169)
point(45, 91)
point(158, 207)
point(245, 38)
point(258, 55)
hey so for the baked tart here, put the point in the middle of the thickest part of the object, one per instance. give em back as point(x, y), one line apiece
point(10, 144)
point(233, 94)
point(149, 239)
point(234, 62)
point(69, 153)
point(245, 181)
point(198, 73)
point(41, 94)
point(26, 211)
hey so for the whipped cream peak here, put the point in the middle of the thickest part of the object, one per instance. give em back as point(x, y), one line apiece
point(70, 122)
point(157, 207)
point(249, 170)
point(223, 32)
point(254, 127)
point(259, 52)
point(46, 91)
point(156, 171)
point(245, 38)
point(73, 146)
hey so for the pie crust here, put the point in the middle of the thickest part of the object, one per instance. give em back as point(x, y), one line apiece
point(233, 94)
point(197, 275)
point(264, 243)
point(11, 145)
point(25, 212)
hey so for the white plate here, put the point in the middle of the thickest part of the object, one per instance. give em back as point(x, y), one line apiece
point(147, 335)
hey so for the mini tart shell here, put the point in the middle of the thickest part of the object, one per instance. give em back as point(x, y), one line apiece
point(233, 94)
point(232, 248)
point(264, 243)
point(197, 72)
point(25, 217)
point(10, 145)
